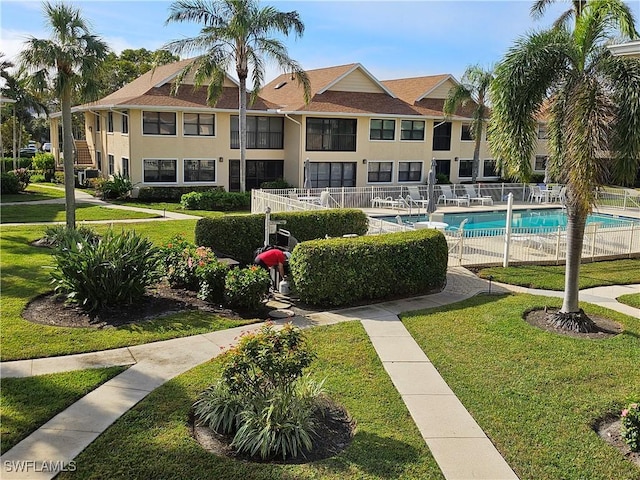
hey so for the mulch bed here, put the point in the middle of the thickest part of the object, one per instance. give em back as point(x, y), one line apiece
point(607, 328)
point(159, 301)
point(334, 431)
point(609, 429)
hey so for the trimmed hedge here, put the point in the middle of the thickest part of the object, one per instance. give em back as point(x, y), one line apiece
point(171, 194)
point(237, 236)
point(216, 199)
point(7, 163)
point(341, 271)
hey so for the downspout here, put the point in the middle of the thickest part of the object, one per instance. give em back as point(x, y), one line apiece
point(300, 172)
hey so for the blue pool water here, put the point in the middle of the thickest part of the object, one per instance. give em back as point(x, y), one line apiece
point(531, 218)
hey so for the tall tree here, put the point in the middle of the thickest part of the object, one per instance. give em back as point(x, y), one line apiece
point(236, 33)
point(474, 88)
point(593, 100)
point(68, 62)
point(540, 6)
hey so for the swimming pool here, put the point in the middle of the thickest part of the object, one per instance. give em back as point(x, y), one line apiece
point(530, 218)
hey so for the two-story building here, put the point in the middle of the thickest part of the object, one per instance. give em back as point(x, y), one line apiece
point(355, 131)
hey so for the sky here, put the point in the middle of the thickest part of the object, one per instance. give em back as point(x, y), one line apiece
point(391, 39)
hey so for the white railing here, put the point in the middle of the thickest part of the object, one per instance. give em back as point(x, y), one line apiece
point(618, 198)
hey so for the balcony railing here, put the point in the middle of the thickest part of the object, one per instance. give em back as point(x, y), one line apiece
point(259, 140)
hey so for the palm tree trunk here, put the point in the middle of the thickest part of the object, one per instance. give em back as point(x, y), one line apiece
point(475, 166)
point(69, 179)
point(243, 132)
point(570, 316)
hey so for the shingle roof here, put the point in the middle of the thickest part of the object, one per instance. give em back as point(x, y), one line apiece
point(411, 89)
point(144, 92)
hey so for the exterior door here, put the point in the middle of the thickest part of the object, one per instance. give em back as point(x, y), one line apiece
point(234, 175)
point(443, 167)
point(260, 171)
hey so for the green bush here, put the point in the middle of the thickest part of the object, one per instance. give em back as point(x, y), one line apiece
point(262, 397)
point(631, 426)
point(237, 236)
point(276, 184)
point(115, 271)
point(118, 186)
point(24, 178)
point(38, 178)
point(216, 199)
point(181, 260)
point(7, 163)
point(44, 162)
point(245, 288)
point(58, 177)
point(211, 279)
point(166, 194)
point(9, 184)
point(341, 271)
point(61, 235)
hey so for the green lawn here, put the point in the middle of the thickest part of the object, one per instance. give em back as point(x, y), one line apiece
point(175, 207)
point(632, 299)
point(535, 394)
point(551, 277)
point(56, 213)
point(25, 274)
point(34, 192)
point(28, 403)
point(153, 439)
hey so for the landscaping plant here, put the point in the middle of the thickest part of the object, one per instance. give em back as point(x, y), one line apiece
point(117, 186)
point(9, 184)
point(245, 288)
point(211, 278)
point(24, 178)
point(631, 426)
point(61, 235)
point(114, 271)
point(181, 259)
point(263, 399)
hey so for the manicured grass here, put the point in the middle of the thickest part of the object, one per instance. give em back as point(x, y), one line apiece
point(535, 394)
point(28, 403)
point(25, 274)
point(56, 213)
point(176, 207)
point(153, 439)
point(34, 192)
point(632, 299)
point(551, 277)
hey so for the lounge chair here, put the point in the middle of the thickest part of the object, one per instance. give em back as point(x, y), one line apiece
point(474, 197)
point(535, 194)
point(388, 202)
point(447, 196)
point(414, 198)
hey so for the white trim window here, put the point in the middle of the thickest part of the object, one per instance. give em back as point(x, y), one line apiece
point(382, 129)
point(109, 122)
point(198, 124)
point(125, 167)
point(199, 170)
point(465, 168)
point(159, 123)
point(466, 135)
point(490, 168)
point(379, 172)
point(160, 170)
point(541, 163)
point(125, 122)
point(409, 172)
point(412, 130)
point(543, 131)
point(112, 164)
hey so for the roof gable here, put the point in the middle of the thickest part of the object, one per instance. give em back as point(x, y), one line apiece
point(357, 79)
point(412, 90)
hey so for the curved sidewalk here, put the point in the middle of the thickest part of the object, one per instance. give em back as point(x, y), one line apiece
point(446, 426)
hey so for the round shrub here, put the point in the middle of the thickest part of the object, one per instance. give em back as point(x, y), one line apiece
point(9, 184)
point(245, 288)
point(114, 271)
point(631, 426)
point(44, 162)
point(211, 278)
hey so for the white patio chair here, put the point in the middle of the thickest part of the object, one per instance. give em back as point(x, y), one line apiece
point(447, 196)
point(475, 197)
point(414, 198)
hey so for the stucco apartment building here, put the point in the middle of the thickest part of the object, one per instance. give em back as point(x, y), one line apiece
point(355, 131)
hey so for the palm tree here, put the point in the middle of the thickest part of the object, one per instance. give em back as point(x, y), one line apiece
point(474, 87)
point(539, 6)
point(235, 34)
point(69, 63)
point(593, 100)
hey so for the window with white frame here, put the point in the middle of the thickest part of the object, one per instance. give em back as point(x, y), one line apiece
point(125, 167)
point(110, 122)
point(199, 124)
point(466, 134)
point(159, 170)
point(112, 164)
point(465, 168)
point(332, 174)
point(490, 168)
point(125, 122)
point(381, 129)
point(541, 162)
point(99, 161)
point(412, 130)
point(409, 171)
point(97, 122)
point(379, 172)
point(199, 170)
point(158, 123)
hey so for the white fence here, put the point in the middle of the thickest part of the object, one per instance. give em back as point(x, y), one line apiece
point(477, 247)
